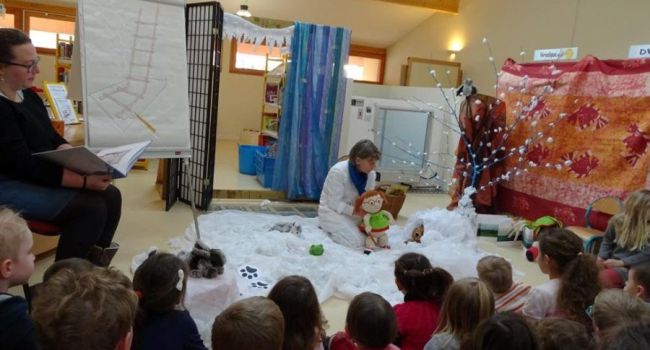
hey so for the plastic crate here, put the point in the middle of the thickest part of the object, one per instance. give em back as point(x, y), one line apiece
point(264, 166)
point(247, 158)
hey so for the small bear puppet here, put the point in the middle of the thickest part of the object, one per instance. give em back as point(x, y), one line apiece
point(376, 221)
point(416, 234)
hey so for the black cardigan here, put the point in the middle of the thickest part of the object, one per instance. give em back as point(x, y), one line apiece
point(25, 128)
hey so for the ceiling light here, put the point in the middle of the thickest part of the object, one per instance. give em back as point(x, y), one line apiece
point(243, 11)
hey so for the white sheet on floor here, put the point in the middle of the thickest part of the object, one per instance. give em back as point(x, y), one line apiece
point(261, 257)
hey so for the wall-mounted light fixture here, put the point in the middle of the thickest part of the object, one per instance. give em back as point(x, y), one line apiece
point(243, 11)
point(454, 47)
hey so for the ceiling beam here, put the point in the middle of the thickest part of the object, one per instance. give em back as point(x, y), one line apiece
point(448, 6)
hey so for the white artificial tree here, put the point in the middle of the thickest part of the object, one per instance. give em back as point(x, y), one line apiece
point(527, 110)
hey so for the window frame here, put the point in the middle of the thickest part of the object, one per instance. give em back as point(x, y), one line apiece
point(233, 61)
point(370, 52)
point(28, 14)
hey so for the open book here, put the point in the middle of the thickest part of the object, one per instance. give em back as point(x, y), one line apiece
point(116, 161)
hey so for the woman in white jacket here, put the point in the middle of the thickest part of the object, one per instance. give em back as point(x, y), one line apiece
point(345, 181)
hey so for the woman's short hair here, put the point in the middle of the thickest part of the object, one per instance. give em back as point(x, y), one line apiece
point(9, 38)
point(364, 149)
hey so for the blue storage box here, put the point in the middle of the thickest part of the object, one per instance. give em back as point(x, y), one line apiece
point(247, 158)
point(264, 166)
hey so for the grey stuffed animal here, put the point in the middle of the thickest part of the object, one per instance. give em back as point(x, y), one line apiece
point(205, 262)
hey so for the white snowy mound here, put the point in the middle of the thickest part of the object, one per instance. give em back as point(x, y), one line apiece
point(261, 257)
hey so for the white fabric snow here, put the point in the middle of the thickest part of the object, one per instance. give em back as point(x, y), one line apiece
point(245, 239)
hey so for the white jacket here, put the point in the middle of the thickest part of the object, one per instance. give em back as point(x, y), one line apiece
point(337, 204)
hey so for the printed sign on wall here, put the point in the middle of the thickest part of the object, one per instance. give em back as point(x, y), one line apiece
point(639, 51)
point(567, 53)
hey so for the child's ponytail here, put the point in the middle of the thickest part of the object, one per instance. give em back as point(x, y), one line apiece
point(579, 288)
point(579, 272)
point(420, 280)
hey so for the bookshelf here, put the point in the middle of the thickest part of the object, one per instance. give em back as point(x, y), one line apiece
point(272, 100)
point(63, 61)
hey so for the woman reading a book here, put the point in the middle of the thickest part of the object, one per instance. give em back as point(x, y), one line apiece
point(87, 208)
point(346, 181)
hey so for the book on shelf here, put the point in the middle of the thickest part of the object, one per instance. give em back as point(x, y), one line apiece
point(116, 161)
point(272, 93)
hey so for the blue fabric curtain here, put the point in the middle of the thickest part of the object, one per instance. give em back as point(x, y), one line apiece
point(312, 102)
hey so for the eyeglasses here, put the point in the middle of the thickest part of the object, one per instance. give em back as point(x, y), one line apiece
point(30, 67)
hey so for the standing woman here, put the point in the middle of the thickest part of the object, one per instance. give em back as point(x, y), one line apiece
point(346, 181)
point(87, 208)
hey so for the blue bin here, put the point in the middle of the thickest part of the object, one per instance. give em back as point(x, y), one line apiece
point(264, 166)
point(247, 158)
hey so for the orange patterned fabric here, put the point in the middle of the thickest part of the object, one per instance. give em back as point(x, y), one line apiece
point(599, 148)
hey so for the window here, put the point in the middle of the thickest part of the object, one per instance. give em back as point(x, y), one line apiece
point(366, 64)
point(43, 28)
point(7, 21)
point(251, 59)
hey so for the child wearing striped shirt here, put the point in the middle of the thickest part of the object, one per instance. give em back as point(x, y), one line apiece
point(496, 273)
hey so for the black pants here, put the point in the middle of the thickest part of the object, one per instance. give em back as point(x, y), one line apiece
point(89, 219)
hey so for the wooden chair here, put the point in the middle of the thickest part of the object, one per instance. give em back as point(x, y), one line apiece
point(45, 229)
point(592, 237)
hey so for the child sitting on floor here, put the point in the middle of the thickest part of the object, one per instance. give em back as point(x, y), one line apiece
point(249, 324)
point(638, 282)
point(562, 334)
point(16, 266)
point(162, 322)
point(89, 310)
point(468, 302)
point(424, 289)
point(627, 240)
point(369, 324)
point(303, 321)
point(614, 307)
point(496, 272)
point(573, 283)
point(505, 330)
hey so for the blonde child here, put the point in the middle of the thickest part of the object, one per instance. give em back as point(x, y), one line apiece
point(16, 266)
point(88, 310)
point(638, 282)
point(614, 307)
point(424, 289)
point(468, 302)
point(303, 321)
point(249, 324)
point(496, 272)
point(626, 241)
point(573, 283)
point(162, 322)
point(370, 324)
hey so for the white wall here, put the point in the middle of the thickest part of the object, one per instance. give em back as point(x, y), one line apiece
point(603, 28)
point(240, 100)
